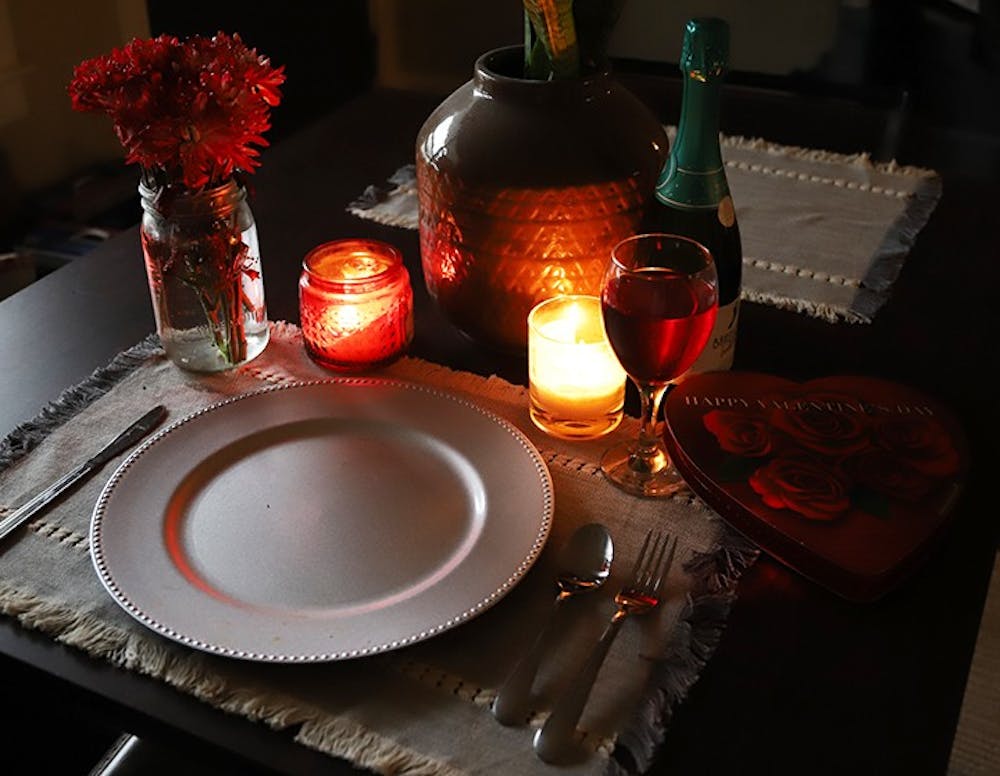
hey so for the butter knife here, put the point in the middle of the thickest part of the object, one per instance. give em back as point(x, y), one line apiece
point(119, 444)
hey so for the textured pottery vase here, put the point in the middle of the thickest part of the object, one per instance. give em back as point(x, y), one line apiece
point(525, 187)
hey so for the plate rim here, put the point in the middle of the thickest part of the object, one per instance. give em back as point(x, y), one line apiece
point(123, 600)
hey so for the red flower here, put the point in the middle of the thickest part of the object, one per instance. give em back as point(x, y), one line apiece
point(824, 424)
point(922, 442)
point(811, 489)
point(188, 112)
point(739, 432)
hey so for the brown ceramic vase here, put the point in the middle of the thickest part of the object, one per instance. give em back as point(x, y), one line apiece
point(524, 188)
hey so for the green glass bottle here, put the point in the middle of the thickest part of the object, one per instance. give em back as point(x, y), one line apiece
point(692, 193)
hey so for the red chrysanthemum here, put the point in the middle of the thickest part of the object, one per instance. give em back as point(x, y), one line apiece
point(190, 111)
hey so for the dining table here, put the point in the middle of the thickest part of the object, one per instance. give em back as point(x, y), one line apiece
point(801, 680)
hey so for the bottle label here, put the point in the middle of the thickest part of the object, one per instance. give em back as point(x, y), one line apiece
point(718, 353)
point(680, 187)
point(727, 213)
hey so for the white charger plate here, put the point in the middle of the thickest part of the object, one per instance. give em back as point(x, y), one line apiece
point(322, 521)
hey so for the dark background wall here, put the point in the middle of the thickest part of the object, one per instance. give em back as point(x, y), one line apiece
point(935, 63)
point(327, 48)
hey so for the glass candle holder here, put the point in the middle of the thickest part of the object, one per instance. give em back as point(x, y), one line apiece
point(576, 383)
point(355, 304)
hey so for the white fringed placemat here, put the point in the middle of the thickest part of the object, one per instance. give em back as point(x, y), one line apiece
point(823, 234)
point(423, 709)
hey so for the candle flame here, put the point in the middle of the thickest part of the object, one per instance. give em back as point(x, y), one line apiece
point(344, 319)
point(575, 323)
point(346, 265)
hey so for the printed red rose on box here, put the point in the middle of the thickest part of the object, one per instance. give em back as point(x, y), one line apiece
point(808, 488)
point(826, 438)
point(847, 479)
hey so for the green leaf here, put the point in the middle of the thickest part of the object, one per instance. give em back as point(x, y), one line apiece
point(537, 64)
point(529, 45)
point(552, 21)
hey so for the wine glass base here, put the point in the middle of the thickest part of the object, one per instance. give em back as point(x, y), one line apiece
point(655, 479)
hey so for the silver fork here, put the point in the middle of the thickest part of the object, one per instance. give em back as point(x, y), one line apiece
point(641, 594)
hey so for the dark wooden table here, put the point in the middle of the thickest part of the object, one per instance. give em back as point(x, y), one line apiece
point(801, 682)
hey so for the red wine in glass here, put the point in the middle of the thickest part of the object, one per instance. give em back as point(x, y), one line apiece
point(659, 300)
point(658, 321)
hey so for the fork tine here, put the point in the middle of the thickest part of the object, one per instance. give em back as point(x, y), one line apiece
point(665, 566)
point(652, 563)
point(641, 557)
point(648, 560)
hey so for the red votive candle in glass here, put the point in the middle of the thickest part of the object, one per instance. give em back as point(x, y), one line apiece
point(355, 304)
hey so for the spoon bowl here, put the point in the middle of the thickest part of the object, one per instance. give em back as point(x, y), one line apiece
point(585, 560)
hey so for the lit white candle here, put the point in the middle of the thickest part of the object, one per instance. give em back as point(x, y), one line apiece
point(576, 384)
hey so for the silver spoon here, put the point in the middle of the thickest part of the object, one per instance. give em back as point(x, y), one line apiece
point(584, 563)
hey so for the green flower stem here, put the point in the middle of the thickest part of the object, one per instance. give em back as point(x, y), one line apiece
point(224, 313)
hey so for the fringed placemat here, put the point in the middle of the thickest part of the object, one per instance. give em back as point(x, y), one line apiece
point(823, 234)
point(419, 710)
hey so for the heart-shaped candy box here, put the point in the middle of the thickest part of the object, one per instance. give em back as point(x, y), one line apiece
point(848, 480)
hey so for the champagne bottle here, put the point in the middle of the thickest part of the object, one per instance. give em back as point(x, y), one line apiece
point(692, 193)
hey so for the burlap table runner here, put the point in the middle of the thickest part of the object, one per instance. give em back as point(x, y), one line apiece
point(823, 234)
point(420, 710)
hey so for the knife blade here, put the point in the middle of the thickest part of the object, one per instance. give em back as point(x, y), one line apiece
point(118, 445)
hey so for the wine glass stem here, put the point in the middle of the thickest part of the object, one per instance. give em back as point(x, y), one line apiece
point(648, 449)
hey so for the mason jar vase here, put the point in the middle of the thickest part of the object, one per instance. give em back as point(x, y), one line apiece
point(203, 266)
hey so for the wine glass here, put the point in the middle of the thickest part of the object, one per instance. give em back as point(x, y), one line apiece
point(659, 299)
